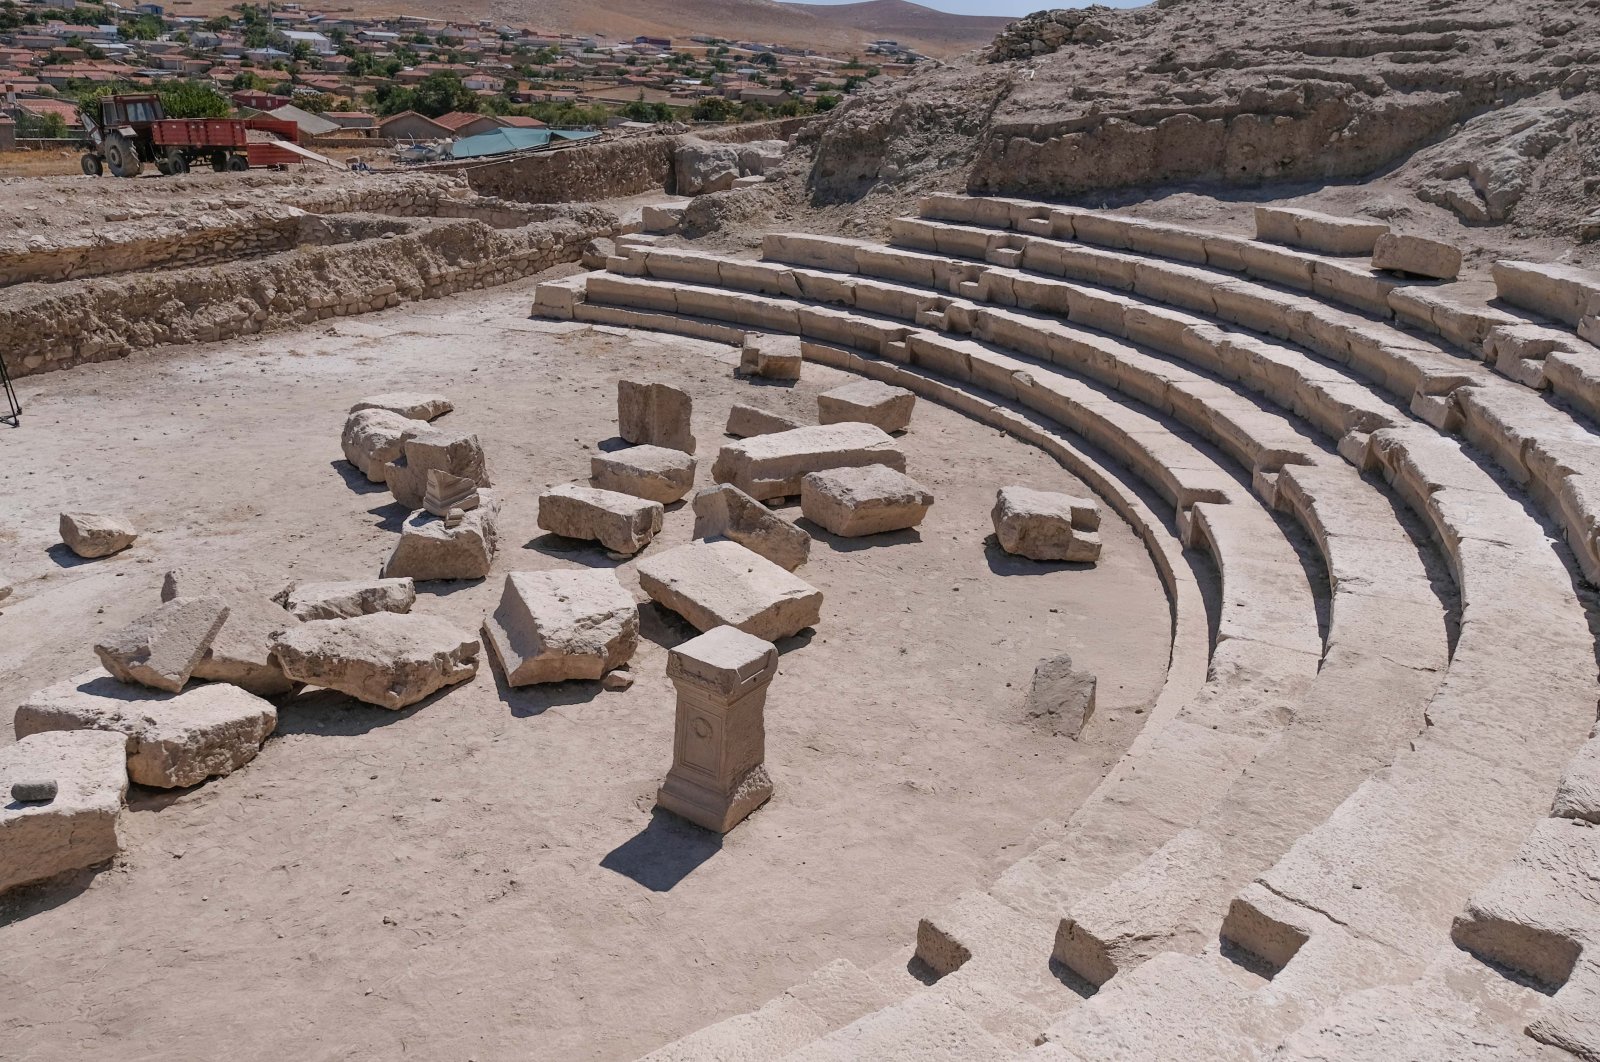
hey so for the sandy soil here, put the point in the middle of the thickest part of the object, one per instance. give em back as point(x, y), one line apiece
point(481, 877)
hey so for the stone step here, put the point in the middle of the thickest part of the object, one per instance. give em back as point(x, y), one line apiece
point(921, 1027)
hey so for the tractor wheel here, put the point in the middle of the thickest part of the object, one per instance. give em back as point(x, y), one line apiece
point(162, 167)
point(92, 166)
point(177, 163)
point(219, 161)
point(121, 158)
point(238, 163)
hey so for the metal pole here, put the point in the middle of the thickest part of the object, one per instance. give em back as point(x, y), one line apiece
point(13, 414)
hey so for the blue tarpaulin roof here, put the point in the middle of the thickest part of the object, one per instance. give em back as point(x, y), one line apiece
point(502, 141)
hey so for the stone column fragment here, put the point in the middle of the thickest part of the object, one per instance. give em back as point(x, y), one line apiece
point(717, 775)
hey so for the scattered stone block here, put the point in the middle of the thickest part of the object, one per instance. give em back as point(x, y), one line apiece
point(596, 251)
point(413, 405)
point(772, 466)
point(719, 746)
point(663, 219)
point(655, 415)
point(771, 357)
point(1316, 231)
point(746, 422)
point(1417, 256)
point(343, 600)
point(851, 502)
point(384, 658)
point(78, 828)
point(374, 437)
point(715, 583)
point(456, 452)
point(1046, 526)
point(5, 587)
point(621, 523)
point(34, 790)
point(241, 653)
point(446, 493)
point(652, 472)
point(431, 547)
point(562, 625)
point(1061, 700)
point(93, 535)
point(162, 648)
point(617, 681)
point(869, 402)
point(171, 740)
point(1578, 795)
point(726, 511)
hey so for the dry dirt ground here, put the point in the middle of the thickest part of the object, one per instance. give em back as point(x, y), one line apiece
point(481, 877)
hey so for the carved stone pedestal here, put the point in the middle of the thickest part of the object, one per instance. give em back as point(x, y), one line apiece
point(717, 777)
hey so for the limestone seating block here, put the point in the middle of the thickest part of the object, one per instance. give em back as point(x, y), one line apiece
point(771, 357)
point(728, 512)
point(1046, 526)
point(454, 451)
point(385, 658)
point(835, 253)
point(78, 828)
point(715, 583)
point(162, 648)
point(620, 522)
point(662, 219)
point(652, 472)
point(241, 653)
point(1316, 231)
point(771, 466)
point(171, 740)
point(429, 548)
point(869, 402)
point(343, 600)
point(655, 415)
point(1565, 293)
point(413, 405)
point(1578, 796)
point(374, 437)
point(745, 421)
point(94, 535)
point(870, 500)
point(1417, 256)
point(559, 299)
point(562, 625)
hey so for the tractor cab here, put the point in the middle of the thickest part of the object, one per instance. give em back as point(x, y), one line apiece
point(130, 110)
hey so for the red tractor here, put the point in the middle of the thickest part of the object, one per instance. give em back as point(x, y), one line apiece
point(132, 130)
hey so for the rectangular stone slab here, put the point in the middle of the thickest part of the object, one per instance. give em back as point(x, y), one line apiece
point(79, 827)
point(619, 522)
point(562, 625)
point(772, 466)
point(715, 583)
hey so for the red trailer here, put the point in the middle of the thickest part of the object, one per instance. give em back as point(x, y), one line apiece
point(131, 130)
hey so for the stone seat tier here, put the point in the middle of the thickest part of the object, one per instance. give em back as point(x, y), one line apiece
point(1556, 456)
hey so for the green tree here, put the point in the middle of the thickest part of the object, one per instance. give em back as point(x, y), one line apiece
point(714, 109)
point(193, 99)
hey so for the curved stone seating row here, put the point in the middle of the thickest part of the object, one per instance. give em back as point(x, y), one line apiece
point(1536, 443)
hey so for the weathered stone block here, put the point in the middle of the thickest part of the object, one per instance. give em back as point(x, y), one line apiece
point(562, 625)
point(93, 535)
point(1316, 231)
point(374, 437)
point(1061, 700)
point(1417, 256)
point(852, 502)
point(78, 828)
point(652, 472)
point(772, 466)
point(429, 548)
point(621, 523)
point(1046, 526)
point(728, 512)
point(385, 659)
point(172, 740)
point(162, 648)
point(771, 357)
point(413, 405)
point(241, 653)
point(715, 583)
point(655, 415)
point(748, 421)
point(869, 402)
point(456, 452)
point(342, 600)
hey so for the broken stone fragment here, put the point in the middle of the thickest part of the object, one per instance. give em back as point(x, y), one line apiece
point(431, 548)
point(453, 518)
point(771, 357)
point(360, 597)
point(771, 466)
point(1046, 526)
point(715, 583)
point(746, 421)
point(655, 415)
point(241, 653)
point(446, 492)
point(414, 405)
point(172, 740)
point(374, 437)
point(1061, 700)
point(562, 625)
point(620, 522)
point(1416, 256)
point(93, 535)
point(851, 502)
point(867, 401)
point(162, 648)
point(726, 511)
point(78, 827)
point(34, 790)
point(456, 452)
point(385, 658)
point(652, 472)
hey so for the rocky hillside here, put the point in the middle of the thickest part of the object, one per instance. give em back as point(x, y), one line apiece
point(1486, 109)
